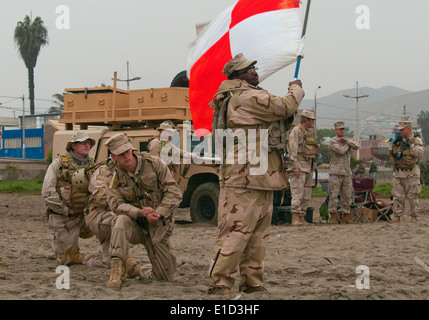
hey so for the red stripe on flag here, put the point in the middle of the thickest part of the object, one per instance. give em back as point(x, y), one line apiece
point(247, 8)
point(205, 78)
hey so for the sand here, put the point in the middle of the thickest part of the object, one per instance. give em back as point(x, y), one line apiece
point(317, 262)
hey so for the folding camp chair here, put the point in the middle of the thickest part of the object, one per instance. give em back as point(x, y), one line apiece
point(324, 211)
point(368, 205)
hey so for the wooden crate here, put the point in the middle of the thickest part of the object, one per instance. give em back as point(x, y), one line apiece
point(160, 103)
point(95, 105)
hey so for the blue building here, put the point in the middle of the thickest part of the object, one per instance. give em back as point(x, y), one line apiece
point(27, 140)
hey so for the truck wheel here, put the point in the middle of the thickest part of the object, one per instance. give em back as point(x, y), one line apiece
point(204, 201)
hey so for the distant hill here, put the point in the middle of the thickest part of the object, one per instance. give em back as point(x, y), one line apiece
point(378, 112)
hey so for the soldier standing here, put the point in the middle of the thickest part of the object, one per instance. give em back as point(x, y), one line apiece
point(246, 199)
point(406, 151)
point(157, 143)
point(143, 194)
point(303, 152)
point(65, 203)
point(340, 174)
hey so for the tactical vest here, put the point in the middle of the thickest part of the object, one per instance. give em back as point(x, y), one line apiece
point(277, 139)
point(138, 195)
point(77, 199)
point(309, 148)
point(401, 158)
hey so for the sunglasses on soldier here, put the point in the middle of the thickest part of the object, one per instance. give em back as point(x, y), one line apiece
point(85, 142)
point(250, 70)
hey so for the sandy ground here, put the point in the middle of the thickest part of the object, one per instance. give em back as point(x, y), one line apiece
point(315, 262)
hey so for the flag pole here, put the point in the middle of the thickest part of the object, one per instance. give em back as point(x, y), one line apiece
point(304, 29)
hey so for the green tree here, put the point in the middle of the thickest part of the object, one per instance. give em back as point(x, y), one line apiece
point(30, 37)
point(423, 121)
point(59, 103)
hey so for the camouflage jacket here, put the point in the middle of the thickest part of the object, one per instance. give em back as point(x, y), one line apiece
point(98, 183)
point(297, 152)
point(151, 185)
point(57, 189)
point(255, 108)
point(408, 164)
point(340, 156)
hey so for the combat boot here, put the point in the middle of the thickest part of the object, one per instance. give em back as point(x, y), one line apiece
point(413, 219)
point(220, 290)
point(72, 256)
point(132, 268)
point(116, 272)
point(333, 218)
point(347, 218)
point(295, 220)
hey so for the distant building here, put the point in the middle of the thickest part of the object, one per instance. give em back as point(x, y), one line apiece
point(25, 139)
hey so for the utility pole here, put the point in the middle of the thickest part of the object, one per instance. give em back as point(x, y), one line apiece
point(357, 97)
point(23, 127)
point(315, 111)
point(128, 77)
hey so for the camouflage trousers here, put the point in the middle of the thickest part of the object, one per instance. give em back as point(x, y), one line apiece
point(300, 188)
point(66, 231)
point(340, 185)
point(162, 257)
point(244, 222)
point(99, 222)
point(406, 189)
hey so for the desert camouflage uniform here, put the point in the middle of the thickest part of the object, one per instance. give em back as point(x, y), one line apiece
point(98, 217)
point(151, 185)
point(300, 186)
point(154, 146)
point(340, 174)
point(406, 177)
point(58, 193)
point(245, 199)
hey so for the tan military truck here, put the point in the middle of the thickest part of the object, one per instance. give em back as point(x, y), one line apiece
point(105, 111)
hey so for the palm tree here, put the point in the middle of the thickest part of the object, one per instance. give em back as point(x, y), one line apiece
point(59, 107)
point(29, 37)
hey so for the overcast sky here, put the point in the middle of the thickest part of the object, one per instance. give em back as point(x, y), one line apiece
point(154, 35)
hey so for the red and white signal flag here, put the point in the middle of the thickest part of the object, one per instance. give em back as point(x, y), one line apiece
point(268, 31)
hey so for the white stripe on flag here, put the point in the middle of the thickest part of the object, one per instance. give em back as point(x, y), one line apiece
point(272, 38)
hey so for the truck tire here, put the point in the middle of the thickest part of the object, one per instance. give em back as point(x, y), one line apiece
point(204, 202)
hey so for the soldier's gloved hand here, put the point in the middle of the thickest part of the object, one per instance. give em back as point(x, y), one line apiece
point(297, 82)
point(397, 140)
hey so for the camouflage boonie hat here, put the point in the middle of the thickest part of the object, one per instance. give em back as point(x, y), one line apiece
point(118, 143)
point(308, 114)
point(239, 62)
point(79, 137)
point(166, 125)
point(339, 125)
point(404, 124)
